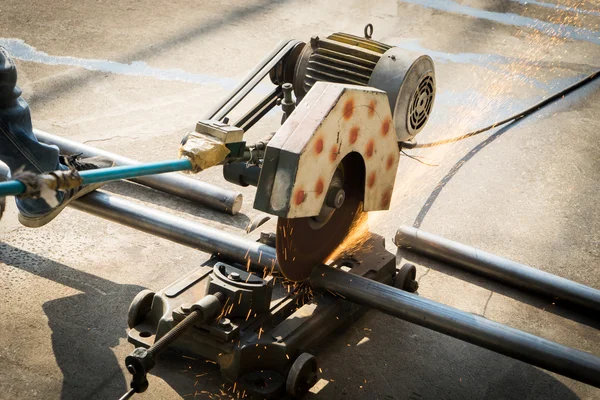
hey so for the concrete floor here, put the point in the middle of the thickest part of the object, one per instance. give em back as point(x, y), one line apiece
point(528, 192)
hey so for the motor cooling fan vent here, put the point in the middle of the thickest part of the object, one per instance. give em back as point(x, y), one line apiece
point(420, 104)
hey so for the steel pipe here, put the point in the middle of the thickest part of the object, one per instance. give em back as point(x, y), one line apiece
point(471, 328)
point(220, 199)
point(176, 229)
point(498, 268)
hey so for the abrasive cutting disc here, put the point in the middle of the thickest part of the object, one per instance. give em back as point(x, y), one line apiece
point(301, 247)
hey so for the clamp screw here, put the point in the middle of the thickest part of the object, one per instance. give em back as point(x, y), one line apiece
point(225, 323)
point(186, 308)
point(234, 276)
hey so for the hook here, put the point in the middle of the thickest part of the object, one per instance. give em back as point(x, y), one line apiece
point(368, 31)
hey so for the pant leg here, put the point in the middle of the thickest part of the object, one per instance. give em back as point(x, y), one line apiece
point(19, 149)
point(4, 176)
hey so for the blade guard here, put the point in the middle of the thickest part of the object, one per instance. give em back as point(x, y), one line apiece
point(332, 121)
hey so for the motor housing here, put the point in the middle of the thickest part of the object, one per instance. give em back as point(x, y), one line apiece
point(345, 58)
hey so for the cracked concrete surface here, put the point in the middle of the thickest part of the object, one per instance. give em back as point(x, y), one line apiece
point(528, 192)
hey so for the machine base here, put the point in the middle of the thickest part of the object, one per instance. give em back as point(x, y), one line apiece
point(261, 339)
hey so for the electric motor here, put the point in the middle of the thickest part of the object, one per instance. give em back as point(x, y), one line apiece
point(349, 59)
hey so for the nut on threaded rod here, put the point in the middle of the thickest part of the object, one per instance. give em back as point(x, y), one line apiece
point(287, 104)
point(287, 92)
point(206, 309)
point(141, 360)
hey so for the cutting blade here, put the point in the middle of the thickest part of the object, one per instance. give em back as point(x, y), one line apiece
point(302, 244)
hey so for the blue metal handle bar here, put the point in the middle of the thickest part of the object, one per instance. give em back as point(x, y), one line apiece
point(11, 188)
point(133, 171)
point(15, 188)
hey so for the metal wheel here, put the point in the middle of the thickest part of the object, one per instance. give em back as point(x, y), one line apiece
point(140, 306)
point(405, 278)
point(302, 375)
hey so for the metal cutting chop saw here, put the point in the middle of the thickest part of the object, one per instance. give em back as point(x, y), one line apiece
point(334, 158)
point(260, 304)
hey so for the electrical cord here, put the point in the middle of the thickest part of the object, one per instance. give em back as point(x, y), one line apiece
point(515, 117)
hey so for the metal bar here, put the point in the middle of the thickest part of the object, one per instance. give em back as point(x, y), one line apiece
point(128, 395)
point(250, 81)
point(498, 268)
point(134, 171)
point(260, 110)
point(220, 199)
point(176, 229)
point(12, 188)
point(102, 175)
point(471, 328)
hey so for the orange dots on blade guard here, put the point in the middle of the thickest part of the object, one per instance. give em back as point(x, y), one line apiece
point(354, 134)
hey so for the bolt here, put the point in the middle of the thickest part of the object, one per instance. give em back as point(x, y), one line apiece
point(234, 276)
point(314, 42)
point(225, 323)
point(131, 369)
point(287, 93)
point(336, 197)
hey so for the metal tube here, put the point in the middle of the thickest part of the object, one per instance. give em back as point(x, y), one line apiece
point(102, 175)
point(12, 188)
point(176, 229)
point(220, 199)
point(132, 171)
point(498, 268)
point(471, 328)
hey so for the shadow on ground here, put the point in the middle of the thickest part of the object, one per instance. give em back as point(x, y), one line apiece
point(85, 327)
point(403, 353)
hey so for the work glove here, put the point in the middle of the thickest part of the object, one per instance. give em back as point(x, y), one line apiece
point(203, 151)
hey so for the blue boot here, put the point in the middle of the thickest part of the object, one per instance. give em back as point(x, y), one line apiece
point(21, 151)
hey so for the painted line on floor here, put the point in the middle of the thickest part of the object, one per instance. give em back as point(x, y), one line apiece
point(548, 28)
point(20, 50)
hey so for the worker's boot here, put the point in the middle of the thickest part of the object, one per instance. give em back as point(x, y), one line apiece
point(21, 151)
point(37, 219)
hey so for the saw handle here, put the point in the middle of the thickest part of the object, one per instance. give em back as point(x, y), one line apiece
point(142, 360)
point(69, 179)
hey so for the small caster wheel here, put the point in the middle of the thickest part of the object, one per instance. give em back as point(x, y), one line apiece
point(140, 306)
point(302, 375)
point(405, 278)
point(256, 222)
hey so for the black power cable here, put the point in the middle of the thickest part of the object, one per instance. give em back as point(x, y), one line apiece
point(515, 117)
